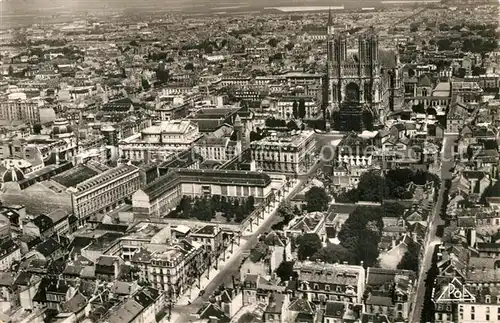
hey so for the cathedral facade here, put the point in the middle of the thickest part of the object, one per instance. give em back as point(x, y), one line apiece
point(363, 81)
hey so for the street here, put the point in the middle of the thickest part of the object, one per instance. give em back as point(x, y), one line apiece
point(446, 164)
point(232, 268)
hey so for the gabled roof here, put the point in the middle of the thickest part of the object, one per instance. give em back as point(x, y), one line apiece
point(48, 247)
point(212, 310)
point(302, 305)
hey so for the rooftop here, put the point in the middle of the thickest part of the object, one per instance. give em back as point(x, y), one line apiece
point(108, 175)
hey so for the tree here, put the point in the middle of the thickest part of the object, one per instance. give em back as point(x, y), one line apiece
point(302, 108)
point(189, 66)
point(145, 84)
point(37, 128)
point(286, 212)
point(289, 46)
point(317, 199)
point(292, 125)
point(202, 210)
point(250, 204)
point(285, 271)
point(11, 70)
point(185, 206)
point(273, 42)
point(295, 108)
point(308, 245)
point(372, 187)
point(410, 258)
point(393, 209)
point(239, 214)
point(333, 254)
point(361, 234)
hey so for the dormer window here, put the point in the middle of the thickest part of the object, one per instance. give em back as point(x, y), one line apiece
point(316, 287)
point(488, 299)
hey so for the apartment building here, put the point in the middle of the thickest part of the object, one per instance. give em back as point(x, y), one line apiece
point(323, 281)
point(284, 153)
point(20, 110)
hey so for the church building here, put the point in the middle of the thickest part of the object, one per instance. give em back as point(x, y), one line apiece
point(364, 83)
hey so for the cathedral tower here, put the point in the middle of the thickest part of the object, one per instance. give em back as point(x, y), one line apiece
point(354, 79)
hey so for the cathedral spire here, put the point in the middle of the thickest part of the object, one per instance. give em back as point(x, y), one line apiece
point(330, 22)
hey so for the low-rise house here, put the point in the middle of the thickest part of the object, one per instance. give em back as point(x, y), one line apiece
point(256, 289)
point(50, 249)
point(141, 307)
point(276, 307)
point(389, 292)
point(230, 300)
point(211, 313)
point(9, 297)
point(9, 253)
point(309, 223)
point(53, 293)
point(107, 268)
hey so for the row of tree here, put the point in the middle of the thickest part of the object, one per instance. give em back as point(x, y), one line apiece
point(206, 208)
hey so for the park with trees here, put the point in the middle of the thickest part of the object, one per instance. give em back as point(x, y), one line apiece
point(207, 208)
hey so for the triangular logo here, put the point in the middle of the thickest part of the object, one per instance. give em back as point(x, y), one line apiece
point(455, 292)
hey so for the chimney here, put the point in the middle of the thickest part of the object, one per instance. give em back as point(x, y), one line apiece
point(362, 263)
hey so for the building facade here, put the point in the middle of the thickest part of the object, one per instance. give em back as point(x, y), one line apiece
point(284, 154)
point(363, 83)
point(162, 140)
point(161, 195)
point(17, 110)
point(105, 191)
point(322, 282)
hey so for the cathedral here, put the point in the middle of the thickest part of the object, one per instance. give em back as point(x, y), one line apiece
point(363, 83)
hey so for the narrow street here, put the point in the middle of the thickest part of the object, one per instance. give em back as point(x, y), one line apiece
point(446, 164)
point(182, 314)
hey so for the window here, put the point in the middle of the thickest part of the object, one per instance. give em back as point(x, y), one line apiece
point(488, 300)
point(472, 316)
point(472, 309)
point(487, 317)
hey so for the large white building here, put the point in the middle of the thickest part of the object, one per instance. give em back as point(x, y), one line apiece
point(284, 154)
point(105, 191)
point(220, 149)
point(20, 110)
point(160, 141)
